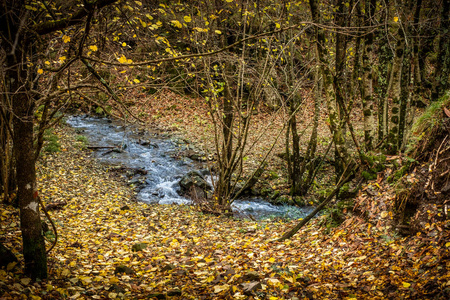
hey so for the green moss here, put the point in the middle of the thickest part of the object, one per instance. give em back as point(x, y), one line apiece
point(369, 175)
point(395, 177)
point(375, 162)
point(431, 118)
point(83, 141)
point(52, 144)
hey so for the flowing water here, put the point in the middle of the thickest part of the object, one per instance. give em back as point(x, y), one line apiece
point(157, 156)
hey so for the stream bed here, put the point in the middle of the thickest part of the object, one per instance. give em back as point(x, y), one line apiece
point(159, 165)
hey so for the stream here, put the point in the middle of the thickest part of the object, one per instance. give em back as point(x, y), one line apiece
point(160, 167)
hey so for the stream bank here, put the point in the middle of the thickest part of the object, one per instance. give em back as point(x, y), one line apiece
point(154, 164)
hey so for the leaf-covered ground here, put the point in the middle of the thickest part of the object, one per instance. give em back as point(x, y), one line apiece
point(183, 254)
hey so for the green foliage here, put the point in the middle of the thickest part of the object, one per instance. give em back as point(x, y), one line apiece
point(52, 144)
point(83, 141)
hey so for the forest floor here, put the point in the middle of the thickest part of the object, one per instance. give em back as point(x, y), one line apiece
point(110, 246)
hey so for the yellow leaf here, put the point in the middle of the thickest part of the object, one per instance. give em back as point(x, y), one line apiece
point(65, 272)
point(124, 44)
point(229, 0)
point(384, 214)
point(66, 39)
point(122, 59)
point(93, 48)
point(47, 63)
point(40, 71)
point(176, 23)
point(30, 7)
point(220, 288)
point(136, 80)
point(447, 244)
point(277, 25)
point(406, 284)
point(11, 266)
point(187, 19)
point(62, 58)
point(395, 19)
point(271, 259)
point(218, 32)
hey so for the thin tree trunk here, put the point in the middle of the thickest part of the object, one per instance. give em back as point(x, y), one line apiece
point(394, 93)
point(330, 94)
point(440, 83)
point(367, 81)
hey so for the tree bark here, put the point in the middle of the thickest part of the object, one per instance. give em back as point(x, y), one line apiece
point(18, 79)
point(367, 80)
point(23, 109)
point(394, 93)
point(330, 93)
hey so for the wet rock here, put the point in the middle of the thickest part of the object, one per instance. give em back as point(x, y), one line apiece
point(195, 155)
point(193, 184)
point(148, 144)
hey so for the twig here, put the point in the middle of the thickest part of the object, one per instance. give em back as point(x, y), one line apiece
point(51, 221)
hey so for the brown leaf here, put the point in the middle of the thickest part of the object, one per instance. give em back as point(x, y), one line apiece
point(447, 112)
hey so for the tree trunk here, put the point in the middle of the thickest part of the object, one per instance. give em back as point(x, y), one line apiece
point(394, 93)
point(18, 78)
point(367, 80)
point(440, 82)
point(33, 240)
point(330, 93)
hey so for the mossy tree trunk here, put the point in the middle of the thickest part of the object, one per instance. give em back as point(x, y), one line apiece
point(340, 89)
point(394, 92)
point(367, 97)
point(329, 91)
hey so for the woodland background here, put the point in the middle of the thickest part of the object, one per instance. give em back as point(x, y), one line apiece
point(304, 102)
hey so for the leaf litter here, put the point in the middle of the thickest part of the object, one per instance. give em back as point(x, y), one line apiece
point(113, 247)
